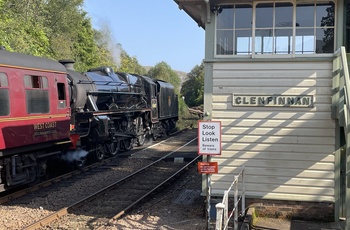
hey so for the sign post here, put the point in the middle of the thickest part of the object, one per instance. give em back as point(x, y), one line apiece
point(209, 143)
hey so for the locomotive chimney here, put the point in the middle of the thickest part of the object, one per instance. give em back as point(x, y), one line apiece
point(69, 64)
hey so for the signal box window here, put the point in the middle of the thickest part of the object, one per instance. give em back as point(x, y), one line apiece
point(275, 28)
point(61, 95)
point(37, 94)
point(4, 95)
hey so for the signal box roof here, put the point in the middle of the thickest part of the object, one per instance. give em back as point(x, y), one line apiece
point(194, 9)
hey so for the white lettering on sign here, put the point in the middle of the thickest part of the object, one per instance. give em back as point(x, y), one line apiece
point(273, 100)
point(209, 137)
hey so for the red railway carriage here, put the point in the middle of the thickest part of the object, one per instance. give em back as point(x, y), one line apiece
point(34, 114)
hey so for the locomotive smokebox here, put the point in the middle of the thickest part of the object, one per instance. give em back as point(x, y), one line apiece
point(68, 63)
point(79, 85)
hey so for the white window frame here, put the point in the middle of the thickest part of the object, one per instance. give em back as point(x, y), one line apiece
point(252, 39)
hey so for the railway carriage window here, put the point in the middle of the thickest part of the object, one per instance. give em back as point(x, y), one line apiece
point(3, 80)
point(36, 82)
point(37, 94)
point(4, 95)
point(61, 95)
point(275, 28)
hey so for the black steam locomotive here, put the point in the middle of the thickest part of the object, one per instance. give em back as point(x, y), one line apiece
point(50, 111)
point(113, 110)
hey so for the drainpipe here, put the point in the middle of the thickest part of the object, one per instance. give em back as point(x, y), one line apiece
point(208, 10)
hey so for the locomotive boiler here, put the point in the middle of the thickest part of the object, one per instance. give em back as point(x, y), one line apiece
point(49, 111)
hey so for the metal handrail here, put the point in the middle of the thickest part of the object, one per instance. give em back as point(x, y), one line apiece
point(222, 209)
point(341, 85)
point(341, 108)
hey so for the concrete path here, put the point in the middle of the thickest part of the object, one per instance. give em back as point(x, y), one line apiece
point(263, 223)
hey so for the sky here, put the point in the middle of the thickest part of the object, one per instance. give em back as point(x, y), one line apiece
point(151, 30)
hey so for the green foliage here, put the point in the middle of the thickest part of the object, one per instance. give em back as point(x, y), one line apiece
point(66, 23)
point(130, 64)
point(22, 27)
point(163, 71)
point(108, 53)
point(185, 118)
point(193, 89)
point(58, 29)
point(85, 48)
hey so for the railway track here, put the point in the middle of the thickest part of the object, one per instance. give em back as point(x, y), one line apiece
point(22, 192)
point(65, 201)
point(113, 201)
point(16, 193)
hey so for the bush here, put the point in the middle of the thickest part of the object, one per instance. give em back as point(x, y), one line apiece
point(185, 118)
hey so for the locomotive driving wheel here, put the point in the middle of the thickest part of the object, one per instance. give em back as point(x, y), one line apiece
point(141, 139)
point(99, 152)
point(127, 144)
point(112, 148)
point(80, 163)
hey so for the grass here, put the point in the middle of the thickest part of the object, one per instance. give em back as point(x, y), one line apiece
point(187, 120)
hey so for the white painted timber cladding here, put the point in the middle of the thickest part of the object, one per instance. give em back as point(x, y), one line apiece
point(288, 153)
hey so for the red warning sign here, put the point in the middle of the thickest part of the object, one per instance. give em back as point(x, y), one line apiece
point(207, 167)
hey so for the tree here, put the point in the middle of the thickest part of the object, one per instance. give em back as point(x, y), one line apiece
point(163, 71)
point(130, 64)
point(22, 27)
point(328, 37)
point(58, 29)
point(72, 36)
point(85, 48)
point(65, 23)
point(61, 29)
point(193, 89)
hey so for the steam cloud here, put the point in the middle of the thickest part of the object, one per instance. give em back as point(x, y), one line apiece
point(71, 156)
point(109, 42)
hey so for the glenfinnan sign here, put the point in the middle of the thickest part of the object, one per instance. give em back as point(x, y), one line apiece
point(273, 100)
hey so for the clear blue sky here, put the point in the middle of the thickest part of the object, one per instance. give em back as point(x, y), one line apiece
point(151, 30)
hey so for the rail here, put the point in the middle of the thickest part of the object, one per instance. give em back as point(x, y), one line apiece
point(222, 209)
point(102, 192)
